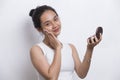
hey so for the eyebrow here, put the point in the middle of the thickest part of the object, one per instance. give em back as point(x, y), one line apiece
point(48, 20)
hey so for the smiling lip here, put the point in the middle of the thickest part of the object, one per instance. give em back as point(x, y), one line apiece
point(56, 30)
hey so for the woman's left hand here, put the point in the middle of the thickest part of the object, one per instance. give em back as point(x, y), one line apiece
point(93, 41)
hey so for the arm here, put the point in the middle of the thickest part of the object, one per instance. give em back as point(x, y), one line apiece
point(82, 68)
point(49, 72)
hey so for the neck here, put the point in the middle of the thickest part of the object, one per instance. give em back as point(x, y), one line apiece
point(46, 41)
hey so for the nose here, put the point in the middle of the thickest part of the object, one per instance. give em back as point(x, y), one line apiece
point(54, 25)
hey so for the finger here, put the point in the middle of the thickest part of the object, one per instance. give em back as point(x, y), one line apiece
point(100, 36)
point(88, 41)
point(92, 39)
point(45, 32)
point(51, 36)
point(96, 39)
point(48, 35)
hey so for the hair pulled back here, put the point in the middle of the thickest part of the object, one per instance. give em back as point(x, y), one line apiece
point(37, 13)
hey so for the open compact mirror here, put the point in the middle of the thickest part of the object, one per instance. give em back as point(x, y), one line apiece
point(98, 31)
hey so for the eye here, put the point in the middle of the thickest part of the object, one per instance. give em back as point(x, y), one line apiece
point(47, 24)
point(56, 18)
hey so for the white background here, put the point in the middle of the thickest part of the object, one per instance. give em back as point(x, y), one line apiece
point(79, 21)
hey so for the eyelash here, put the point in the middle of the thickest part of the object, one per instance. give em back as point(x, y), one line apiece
point(55, 19)
point(47, 24)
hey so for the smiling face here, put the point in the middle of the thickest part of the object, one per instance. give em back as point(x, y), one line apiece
point(50, 22)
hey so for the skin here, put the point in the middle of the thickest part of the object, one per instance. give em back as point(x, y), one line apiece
point(51, 27)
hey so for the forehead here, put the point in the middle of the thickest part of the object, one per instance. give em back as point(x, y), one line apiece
point(47, 15)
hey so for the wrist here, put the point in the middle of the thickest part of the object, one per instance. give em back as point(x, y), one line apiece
point(58, 48)
point(90, 48)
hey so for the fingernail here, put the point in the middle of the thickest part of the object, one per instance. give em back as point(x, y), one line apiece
point(45, 30)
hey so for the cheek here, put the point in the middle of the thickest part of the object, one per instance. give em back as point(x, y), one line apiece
point(48, 28)
point(59, 23)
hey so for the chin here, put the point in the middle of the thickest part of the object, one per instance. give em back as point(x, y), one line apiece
point(57, 34)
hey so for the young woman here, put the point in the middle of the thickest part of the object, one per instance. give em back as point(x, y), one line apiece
point(53, 59)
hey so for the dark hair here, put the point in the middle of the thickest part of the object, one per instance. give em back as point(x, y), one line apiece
point(37, 12)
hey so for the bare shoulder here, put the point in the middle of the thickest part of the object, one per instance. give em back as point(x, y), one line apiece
point(39, 61)
point(74, 50)
point(72, 46)
point(35, 51)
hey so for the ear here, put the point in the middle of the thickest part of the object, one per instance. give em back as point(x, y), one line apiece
point(39, 29)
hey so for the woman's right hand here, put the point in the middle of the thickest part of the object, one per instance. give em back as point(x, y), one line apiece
point(52, 40)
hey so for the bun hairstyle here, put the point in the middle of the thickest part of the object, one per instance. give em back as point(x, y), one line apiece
point(37, 13)
point(31, 12)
